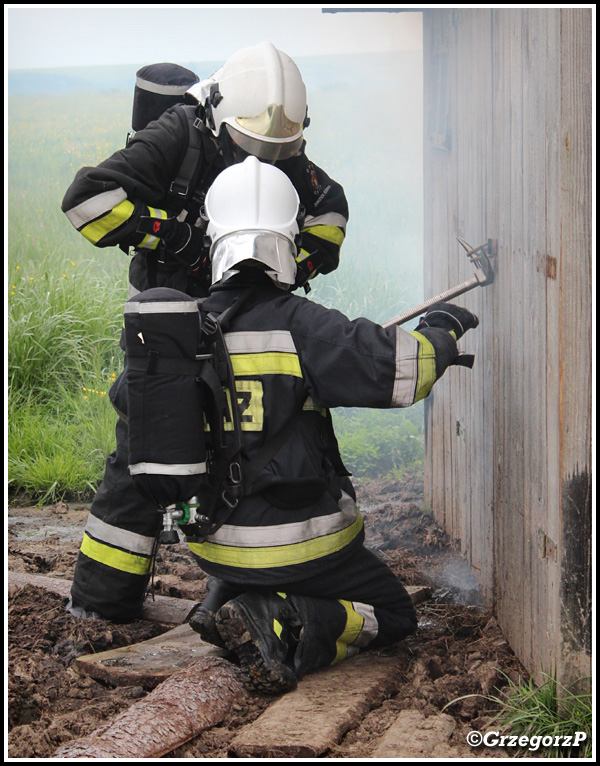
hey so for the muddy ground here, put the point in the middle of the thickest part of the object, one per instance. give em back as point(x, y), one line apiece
point(458, 650)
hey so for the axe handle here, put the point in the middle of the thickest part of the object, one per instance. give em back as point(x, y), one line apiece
point(447, 295)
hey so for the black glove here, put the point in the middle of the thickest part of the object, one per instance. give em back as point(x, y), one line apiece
point(449, 317)
point(183, 240)
point(303, 273)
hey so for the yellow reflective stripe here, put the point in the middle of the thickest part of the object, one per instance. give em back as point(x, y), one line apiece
point(328, 233)
point(354, 625)
point(109, 222)
point(278, 555)
point(150, 242)
point(115, 558)
point(278, 628)
point(310, 406)
point(270, 363)
point(425, 366)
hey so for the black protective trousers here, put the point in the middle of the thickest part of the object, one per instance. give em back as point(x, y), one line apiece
point(115, 561)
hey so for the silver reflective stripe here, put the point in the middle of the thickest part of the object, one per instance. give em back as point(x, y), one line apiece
point(168, 469)
point(107, 533)
point(327, 219)
point(288, 534)
point(161, 307)
point(163, 90)
point(259, 342)
point(95, 207)
point(370, 626)
point(405, 381)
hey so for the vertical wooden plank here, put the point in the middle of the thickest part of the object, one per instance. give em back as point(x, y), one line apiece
point(431, 470)
point(462, 155)
point(447, 274)
point(515, 545)
point(552, 94)
point(575, 342)
point(483, 340)
point(508, 402)
point(438, 32)
point(476, 117)
point(535, 52)
point(464, 160)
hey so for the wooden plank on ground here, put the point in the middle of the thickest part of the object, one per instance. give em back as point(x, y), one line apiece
point(415, 736)
point(52, 584)
point(165, 609)
point(192, 700)
point(418, 593)
point(310, 720)
point(147, 663)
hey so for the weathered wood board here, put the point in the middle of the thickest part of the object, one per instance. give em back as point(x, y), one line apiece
point(314, 717)
point(165, 609)
point(147, 663)
point(414, 735)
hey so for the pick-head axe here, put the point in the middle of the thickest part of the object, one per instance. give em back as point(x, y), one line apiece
point(484, 275)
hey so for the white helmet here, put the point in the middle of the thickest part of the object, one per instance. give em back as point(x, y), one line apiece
point(259, 98)
point(253, 213)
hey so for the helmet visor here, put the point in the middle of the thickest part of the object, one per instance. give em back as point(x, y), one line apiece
point(275, 252)
point(272, 123)
point(266, 149)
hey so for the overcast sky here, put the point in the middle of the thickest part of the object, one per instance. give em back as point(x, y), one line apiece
point(45, 36)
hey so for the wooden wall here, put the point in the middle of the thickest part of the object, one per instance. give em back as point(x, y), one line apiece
point(507, 125)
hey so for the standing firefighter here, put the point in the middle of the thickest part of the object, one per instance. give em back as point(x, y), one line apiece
point(299, 589)
point(148, 197)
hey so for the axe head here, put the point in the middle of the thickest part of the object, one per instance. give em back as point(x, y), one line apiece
point(479, 257)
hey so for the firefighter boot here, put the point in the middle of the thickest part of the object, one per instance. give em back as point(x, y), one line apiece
point(202, 620)
point(329, 628)
point(261, 630)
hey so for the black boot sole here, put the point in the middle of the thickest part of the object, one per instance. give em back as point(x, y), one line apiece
point(203, 623)
point(260, 672)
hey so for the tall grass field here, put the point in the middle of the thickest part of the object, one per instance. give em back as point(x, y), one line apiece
point(65, 298)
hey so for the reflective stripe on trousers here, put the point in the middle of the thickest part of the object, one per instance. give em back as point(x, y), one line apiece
point(282, 544)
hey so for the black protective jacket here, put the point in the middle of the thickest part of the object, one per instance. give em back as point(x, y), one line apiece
point(293, 359)
point(105, 203)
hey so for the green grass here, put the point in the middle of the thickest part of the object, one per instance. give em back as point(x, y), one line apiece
point(57, 451)
point(63, 354)
point(542, 713)
point(63, 324)
point(380, 442)
point(65, 297)
point(546, 712)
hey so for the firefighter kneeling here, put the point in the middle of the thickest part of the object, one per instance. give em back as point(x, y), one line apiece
point(293, 588)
